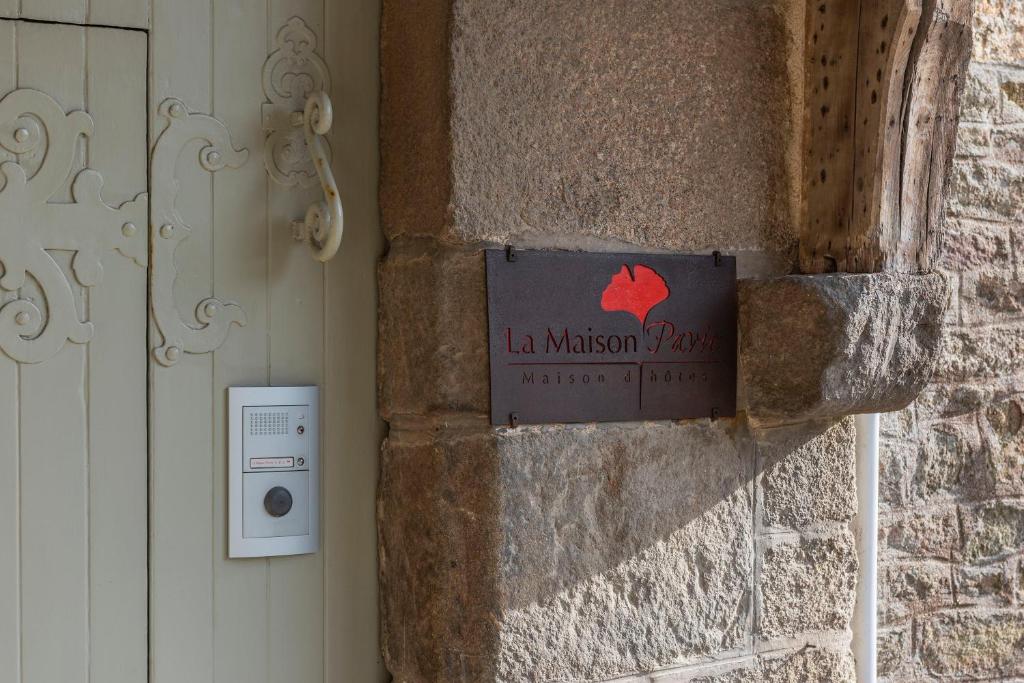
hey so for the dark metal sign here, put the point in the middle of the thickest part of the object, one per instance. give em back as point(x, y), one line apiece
point(577, 337)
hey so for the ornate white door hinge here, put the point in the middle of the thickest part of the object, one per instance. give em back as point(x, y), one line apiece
point(167, 230)
point(35, 129)
point(296, 116)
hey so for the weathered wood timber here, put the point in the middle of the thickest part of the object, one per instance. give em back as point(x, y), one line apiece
point(883, 82)
point(829, 85)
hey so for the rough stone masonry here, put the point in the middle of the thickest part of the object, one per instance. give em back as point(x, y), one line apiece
point(952, 531)
point(671, 551)
point(590, 552)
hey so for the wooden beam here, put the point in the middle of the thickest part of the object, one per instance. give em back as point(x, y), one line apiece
point(829, 86)
point(887, 32)
point(940, 57)
point(878, 140)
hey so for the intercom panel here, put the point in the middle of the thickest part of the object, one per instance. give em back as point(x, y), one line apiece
point(274, 471)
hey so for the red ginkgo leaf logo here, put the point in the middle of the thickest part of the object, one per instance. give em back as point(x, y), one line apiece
point(635, 293)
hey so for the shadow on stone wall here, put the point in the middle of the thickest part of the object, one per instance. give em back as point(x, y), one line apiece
point(602, 550)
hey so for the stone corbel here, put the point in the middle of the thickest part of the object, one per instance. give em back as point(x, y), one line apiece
point(818, 347)
point(882, 87)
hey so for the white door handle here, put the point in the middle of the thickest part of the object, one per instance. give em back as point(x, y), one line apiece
point(325, 221)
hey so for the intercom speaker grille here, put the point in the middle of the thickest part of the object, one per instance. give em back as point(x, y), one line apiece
point(268, 423)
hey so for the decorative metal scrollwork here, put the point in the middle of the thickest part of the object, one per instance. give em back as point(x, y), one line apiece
point(167, 230)
point(296, 116)
point(42, 139)
point(292, 73)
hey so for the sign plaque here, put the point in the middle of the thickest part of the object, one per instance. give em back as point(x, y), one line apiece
point(581, 337)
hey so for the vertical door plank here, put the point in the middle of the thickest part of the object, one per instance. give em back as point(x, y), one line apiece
point(352, 433)
point(51, 58)
point(8, 82)
point(54, 507)
point(10, 540)
point(126, 13)
point(71, 11)
point(10, 543)
point(54, 520)
point(296, 357)
point(240, 270)
point(129, 13)
point(8, 56)
point(182, 464)
point(118, 494)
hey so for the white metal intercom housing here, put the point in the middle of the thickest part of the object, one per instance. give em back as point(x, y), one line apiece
point(273, 471)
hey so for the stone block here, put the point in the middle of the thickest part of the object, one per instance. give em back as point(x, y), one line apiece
point(952, 316)
point(980, 100)
point(952, 400)
point(973, 140)
point(976, 246)
point(980, 353)
point(991, 298)
point(807, 474)
point(922, 534)
point(824, 346)
point(992, 530)
point(998, 31)
point(563, 553)
point(1001, 428)
point(991, 584)
point(1008, 144)
point(897, 461)
point(432, 348)
point(808, 664)
point(561, 124)
point(973, 645)
point(893, 650)
point(1012, 97)
point(986, 189)
point(822, 571)
point(947, 462)
point(908, 588)
point(899, 423)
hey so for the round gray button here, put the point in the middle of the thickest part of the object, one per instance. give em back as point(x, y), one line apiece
point(278, 501)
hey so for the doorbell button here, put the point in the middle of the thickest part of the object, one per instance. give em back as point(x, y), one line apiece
point(278, 501)
point(257, 520)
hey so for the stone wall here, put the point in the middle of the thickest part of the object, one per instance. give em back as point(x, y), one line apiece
point(695, 549)
point(952, 531)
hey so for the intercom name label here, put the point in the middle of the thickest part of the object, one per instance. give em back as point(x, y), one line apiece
point(270, 463)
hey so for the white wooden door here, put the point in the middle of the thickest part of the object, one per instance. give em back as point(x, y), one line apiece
point(183, 90)
point(73, 354)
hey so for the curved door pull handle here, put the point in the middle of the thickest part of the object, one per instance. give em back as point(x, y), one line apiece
point(324, 221)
